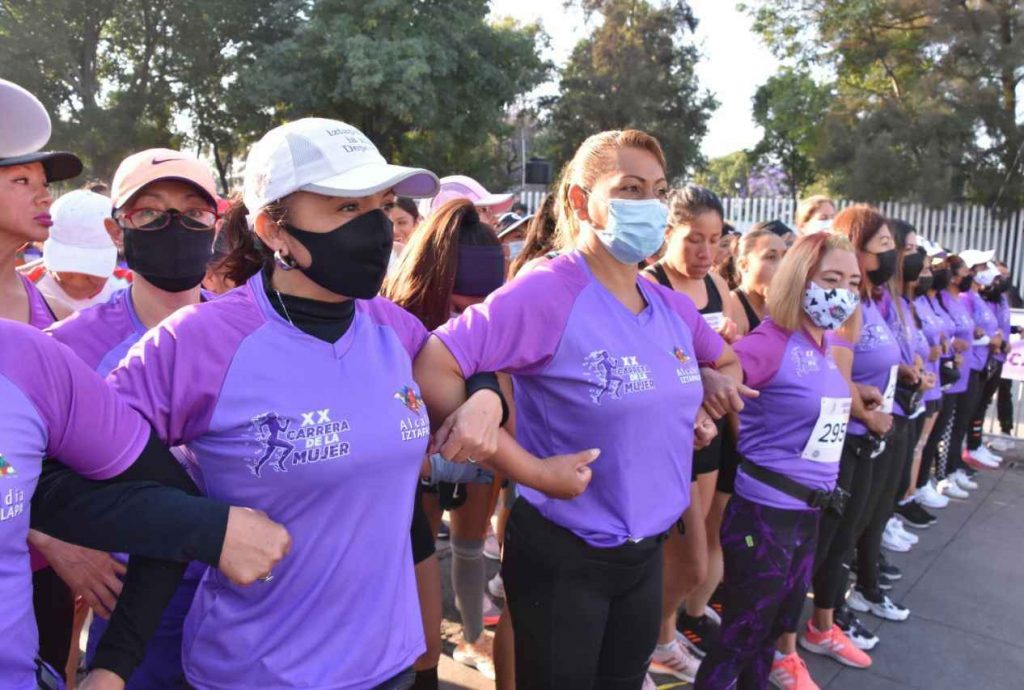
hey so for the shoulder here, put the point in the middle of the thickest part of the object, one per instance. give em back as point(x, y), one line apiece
point(720, 284)
point(385, 313)
point(547, 286)
point(92, 332)
point(677, 301)
point(211, 327)
point(767, 339)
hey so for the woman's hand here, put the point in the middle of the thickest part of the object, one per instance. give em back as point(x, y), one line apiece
point(934, 353)
point(871, 396)
point(93, 575)
point(102, 679)
point(879, 423)
point(723, 394)
point(960, 345)
point(928, 381)
point(728, 330)
point(704, 430)
point(471, 432)
point(566, 476)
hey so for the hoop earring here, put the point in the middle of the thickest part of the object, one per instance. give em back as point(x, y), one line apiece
point(286, 262)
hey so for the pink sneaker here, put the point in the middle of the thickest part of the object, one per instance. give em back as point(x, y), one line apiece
point(790, 673)
point(835, 644)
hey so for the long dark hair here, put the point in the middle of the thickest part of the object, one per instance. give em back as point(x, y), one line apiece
point(540, 235)
point(247, 256)
point(860, 223)
point(425, 281)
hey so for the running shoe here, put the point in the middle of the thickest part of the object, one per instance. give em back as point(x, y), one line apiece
point(902, 533)
point(963, 481)
point(478, 655)
point(893, 541)
point(978, 461)
point(491, 548)
point(491, 613)
point(790, 673)
point(989, 455)
point(1000, 444)
point(444, 532)
point(884, 583)
point(877, 604)
point(698, 634)
point(859, 635)
point(717, 604)
point(929, 497)
point(649, 683)
point(835, 644)
point(914, 515)
point(714, 614)
point(949, 488)
point(888, 569)
point(675, 660)
point(496, 587)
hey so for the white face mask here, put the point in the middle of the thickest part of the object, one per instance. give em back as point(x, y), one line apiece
point(829, 308)
point(818, 225)
point(515, 248)
point(987, 277)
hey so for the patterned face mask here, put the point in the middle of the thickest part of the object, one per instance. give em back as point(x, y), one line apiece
point(829, 308)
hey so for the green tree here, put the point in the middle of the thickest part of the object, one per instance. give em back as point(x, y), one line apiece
point(635, 70)
point(726, 175)
point(429, 82)
point(789, 108)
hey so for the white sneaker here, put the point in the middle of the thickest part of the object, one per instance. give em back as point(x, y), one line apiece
point(1001, 444)
point(883, 609)
point(977, 456)
point(963, 481)
point(891, 541)
point(676, 661)
point(901, 531)
point(929, 497)
point(990, 455)
point(491, 548)
point(479, 655)
point(496, 586)
point(950, 488)
point(649, 683)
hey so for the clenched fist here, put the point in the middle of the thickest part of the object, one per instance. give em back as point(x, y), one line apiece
point(253, 545)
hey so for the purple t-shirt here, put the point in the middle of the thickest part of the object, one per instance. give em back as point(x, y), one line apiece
point(1003, 318)
point(327, 439)
point(932, 328)
point(795, 374)
point(102, 334)
point(39, 313)
point(589, 373)
point(912, 342)
point(985, 319)
point(963, 328)
point(51, 405)
point(876, 354)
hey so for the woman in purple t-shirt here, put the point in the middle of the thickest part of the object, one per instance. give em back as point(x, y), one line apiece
point(601, 359)
point(790, 462)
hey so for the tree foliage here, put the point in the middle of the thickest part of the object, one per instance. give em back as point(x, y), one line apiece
point(635, 70)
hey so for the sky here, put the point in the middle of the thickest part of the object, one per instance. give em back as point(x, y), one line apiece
point(734, 61)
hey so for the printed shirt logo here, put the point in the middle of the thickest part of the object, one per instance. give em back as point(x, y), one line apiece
point(688, 373)
point(615, 376)
point(872, 337)
point(680, 355)
point(804, 361)
point(410, 427)
point(12, 501)
point(317, 439)
point(6, 468)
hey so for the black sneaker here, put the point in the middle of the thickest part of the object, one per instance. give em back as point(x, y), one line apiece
point(884, 583)
point(861, 637)
point(914, 515)
point(889, 570)
point(699, 634)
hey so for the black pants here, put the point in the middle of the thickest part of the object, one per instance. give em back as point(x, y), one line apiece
point(55, 613)
point(836, 534)
point(932, 453)
point(585, 617)
point(1004, 405)
point(990, 379)
point(965, 409)
point(889, 467)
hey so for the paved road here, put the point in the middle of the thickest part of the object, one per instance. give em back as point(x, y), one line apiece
point(964, 584)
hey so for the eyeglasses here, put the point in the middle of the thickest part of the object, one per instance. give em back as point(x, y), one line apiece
point(154, 219)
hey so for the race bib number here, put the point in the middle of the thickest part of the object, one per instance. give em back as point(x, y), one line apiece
point(715, 319)
point(826, 441)
point(889, 396)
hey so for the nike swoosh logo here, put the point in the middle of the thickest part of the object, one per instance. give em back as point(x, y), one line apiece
point(165, 160)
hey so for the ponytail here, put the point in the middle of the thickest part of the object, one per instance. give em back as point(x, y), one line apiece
point(247, 256)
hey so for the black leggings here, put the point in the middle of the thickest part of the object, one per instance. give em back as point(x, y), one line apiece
point(585, 617)
point(836, 534)
point(965, 408)
point(989, 386)
point(933, 448)
point(54, 606)
point(890, 466)
point(1004, 405)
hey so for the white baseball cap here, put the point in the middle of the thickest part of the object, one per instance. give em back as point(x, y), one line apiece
point(326, 157)
point(78, 241)
point(464, 187)
point(24, 122)
point(975, 257)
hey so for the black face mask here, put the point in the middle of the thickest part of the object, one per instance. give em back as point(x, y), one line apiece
point(924, 284)
point(994, 292)
point(173, 258)
point(940, 279)
point(964, 284)
point(351, 260)
point(886, 267)
point(913, 264)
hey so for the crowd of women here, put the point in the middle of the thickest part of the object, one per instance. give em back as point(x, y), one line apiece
point(240, 456)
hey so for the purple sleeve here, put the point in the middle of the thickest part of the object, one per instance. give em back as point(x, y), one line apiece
point(89, 428)
point(173, 376)
point(409, 330)
point(518, 328)
point(707, 344)
point(760, 354)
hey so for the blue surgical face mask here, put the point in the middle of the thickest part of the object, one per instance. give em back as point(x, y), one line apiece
point(635, 229)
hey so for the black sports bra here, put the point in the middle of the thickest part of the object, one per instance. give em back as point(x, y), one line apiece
point(714, 296)
point(752, 318)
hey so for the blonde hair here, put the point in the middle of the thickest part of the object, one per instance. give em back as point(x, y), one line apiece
point(808, 207)
point(594, 158)
point(786, 294)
